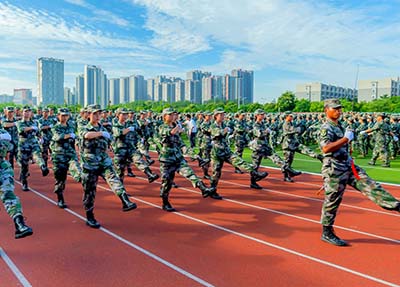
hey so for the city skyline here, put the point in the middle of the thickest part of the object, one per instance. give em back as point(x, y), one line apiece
point(283, 42)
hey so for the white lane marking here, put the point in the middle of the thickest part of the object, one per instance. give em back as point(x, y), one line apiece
point(137, 247)
point(263, 242)
point(21, 278)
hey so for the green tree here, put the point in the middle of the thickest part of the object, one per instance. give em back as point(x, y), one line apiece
point(302, 105)
point(286, 102)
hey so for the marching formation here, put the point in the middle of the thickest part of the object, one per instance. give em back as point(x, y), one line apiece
point(97, 142)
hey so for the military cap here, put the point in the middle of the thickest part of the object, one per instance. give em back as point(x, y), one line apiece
point(288, 113)
point(63, 111)
point(208, 113)
point(239, 112)
point(17, 108)
point(46, 110)
point(381, 115)
point(9, 109)
point(27, 108)
point(82, 110)
point(218, 111)
point(93, 108)
point(168, 111)
point(259, 112)
point(143, 112)
point(121, 111)
point(332, 103)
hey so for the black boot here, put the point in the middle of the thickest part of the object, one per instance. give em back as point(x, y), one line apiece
point(203, 162)
point(45, 170)
point(174, 185)
point(205, 191)
point(166, 205)
point(150, 161)
point(253, 184)
point(238, 171)
point(130, 173)
point(126, 203)
point(61, 202)
point(151, 176)
point(25, 185)
point(21, 230)
point(257, 176)
point(286, 177)
point(292, 173)
point(320, 157)
point(328, 235)
point(205, 172)
point(91, 221)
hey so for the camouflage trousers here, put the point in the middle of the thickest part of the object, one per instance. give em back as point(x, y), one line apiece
point(61, 165)
point(231, 158)
point(24, 155)
point(205, 153)
point(258, 155)
point(13, 153)
point(289, 154)
point(168, 170)
point(89, 183)
point(123, 159)
point(335, 184)
point(362, 146)
point(393, 148)
point(144, 147)
point(11, 202)
point(380, 151)
point(239, 147)
point(45, 148)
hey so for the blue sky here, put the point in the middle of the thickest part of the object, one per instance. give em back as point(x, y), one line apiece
point(284, 42)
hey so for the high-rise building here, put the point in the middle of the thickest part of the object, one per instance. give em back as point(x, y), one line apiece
point(151, 89)
point(23, 97)
point(315, 92)
point(124, 90)
point(168, 92)
point(244, 86)
point(179, 90)
point(212, 88)
point(114, 92)
point(137, 88)
point(50, 74)
point(369, 90)
point(4, 98)
point(69, 96)
point(95, 86)
point(80, 90)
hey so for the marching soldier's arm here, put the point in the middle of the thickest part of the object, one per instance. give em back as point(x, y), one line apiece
point(8, 124)
point(92, 135)
point(329, 146)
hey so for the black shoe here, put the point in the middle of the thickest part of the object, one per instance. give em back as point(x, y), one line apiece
point(91, 221)
point(153, 177)
point(61, 202)
point(203, 162)
point(215, 195)
point(238, 171)
point(126, 203)
point(288, 179)
point(292, 173)
point(255, 185)
point(174, 185)
point(21, 229)
point(25, 185)
point(45, 170)
point(257, 176)
point(167, 206)
point(320, 157)
point(329, 236)
point(205, 191)
point(131, 174)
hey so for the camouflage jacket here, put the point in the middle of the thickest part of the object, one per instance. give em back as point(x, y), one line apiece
point(205, 134)
point(94, 151)
point(289, 136)
point(121, 141)
point(59, 145)
point(219, 140)
point(261, 137)
point(241, 130)
point(171, 145)
point(13, 131)
point(46, 133)
point(30, 138)
point(4, 145)
point(381, 132)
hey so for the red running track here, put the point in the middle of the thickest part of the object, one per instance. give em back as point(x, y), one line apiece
point(266, 237)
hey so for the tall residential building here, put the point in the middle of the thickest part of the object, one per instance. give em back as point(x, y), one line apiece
point(229, 88)
point(95, 87)
point(137, 88)
point(50, 74)
point(80, 89)
point(316, 92)
point(212, 88)
point(69, 96)
point(179, 90)
point(369, 90)
point(244, 86)
point(150, 89)
point(23, 97)
point(4, 98)
point(114, 92)
point(168, 92)
point(124, 90)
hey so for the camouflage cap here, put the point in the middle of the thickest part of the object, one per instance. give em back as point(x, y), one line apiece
point(288, 113)
point(168, 111)
point(121, 111)
point(208, 113)
point(143, 112)
point(9, 109)
point(332, 103)
point(218, 111)
point(381, 115)
point(46, 110)
point(240, 112)
point(259, 112)
point(93, 108)
point(63, 111)
point(27, 108)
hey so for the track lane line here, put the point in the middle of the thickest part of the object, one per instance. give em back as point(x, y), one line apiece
point(21, 278)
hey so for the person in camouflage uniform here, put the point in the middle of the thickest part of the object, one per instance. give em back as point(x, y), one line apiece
point(222, 153)
point(261, 148)
point(132, 138)
point(381, 132)
point(9, 124)
point(172, 160)
point(95, 163)
point(45, 125)
point(28, 146)
point(11, 202)
point(145, 132)
point(290, 144)
point(240, 134)
point(63, 155)
point(362, 139)
point(125, 151)
point(338, 170)
point(394, 143)
point(205, 141)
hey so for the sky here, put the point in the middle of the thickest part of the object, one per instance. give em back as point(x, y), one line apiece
point(284, 42)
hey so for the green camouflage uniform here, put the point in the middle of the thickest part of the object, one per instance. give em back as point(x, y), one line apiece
point(205, 143)
point(13, 131)
point(240, 135)
point(95, 163)
point(28, 145)
point(337, 173)
point(381, 133)
point(11, 202)
point(46, 136)
point(63, 156)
